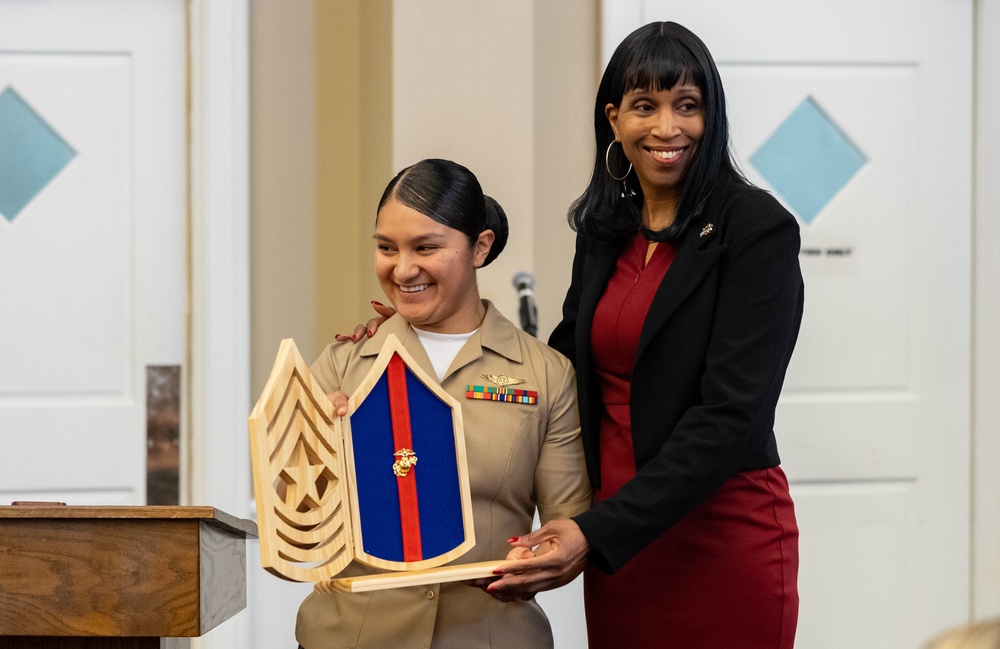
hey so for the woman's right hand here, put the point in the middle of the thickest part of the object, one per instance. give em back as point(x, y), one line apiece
point(368, 329)
point(560, 555)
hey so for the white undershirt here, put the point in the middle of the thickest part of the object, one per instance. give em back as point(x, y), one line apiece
point(442, 348)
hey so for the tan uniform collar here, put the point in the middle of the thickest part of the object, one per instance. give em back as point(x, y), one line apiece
point(496, 333)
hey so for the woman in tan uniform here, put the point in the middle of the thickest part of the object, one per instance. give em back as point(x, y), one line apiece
point(434, 229)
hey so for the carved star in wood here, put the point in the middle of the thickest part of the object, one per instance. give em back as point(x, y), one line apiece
point(302, 478)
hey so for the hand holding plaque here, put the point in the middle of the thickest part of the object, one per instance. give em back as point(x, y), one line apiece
point(386, 485)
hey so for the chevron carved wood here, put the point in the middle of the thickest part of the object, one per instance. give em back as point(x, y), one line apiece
point(304, 466)
point(299, 475)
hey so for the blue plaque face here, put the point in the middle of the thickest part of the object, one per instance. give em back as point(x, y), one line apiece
point(412, 496)
point(436, 519)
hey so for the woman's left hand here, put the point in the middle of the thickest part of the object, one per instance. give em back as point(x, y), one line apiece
point(484, 582)
point(552, 567)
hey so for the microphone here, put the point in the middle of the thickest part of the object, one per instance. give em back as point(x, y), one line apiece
point(525, 284)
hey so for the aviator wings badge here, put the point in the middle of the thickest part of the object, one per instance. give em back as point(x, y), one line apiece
point(501, 380)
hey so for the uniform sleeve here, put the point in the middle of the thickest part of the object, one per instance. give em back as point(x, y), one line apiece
point(327, 370)
point(757, 313)
point(562, 488)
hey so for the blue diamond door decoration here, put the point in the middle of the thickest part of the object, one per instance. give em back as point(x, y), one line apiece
point(808, 159)
point(31, 154)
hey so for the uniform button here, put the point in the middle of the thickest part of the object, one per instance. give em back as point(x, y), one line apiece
point(430, 594)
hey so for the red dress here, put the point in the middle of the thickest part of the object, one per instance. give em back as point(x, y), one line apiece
point(724, 577)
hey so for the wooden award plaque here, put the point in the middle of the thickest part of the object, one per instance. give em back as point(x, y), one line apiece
point(387, 485)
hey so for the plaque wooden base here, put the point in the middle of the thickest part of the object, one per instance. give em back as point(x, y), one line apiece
point(383, 580)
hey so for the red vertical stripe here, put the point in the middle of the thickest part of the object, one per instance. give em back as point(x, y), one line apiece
point(399, 407)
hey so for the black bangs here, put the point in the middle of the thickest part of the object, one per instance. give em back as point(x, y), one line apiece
point(660, 63)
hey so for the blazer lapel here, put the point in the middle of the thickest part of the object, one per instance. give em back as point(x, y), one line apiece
point(697, 255)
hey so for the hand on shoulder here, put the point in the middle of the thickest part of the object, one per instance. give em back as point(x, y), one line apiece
point(368, 329)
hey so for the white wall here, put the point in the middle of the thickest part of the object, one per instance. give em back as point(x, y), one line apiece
point(567, 71)
point(505, 88)
point(463, 79)
point(986, 324)
point(283, 180)
point(282, 194)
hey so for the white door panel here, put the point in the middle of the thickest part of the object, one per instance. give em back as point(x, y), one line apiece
point(92, 266)
point(856, 251)
point(874, 423)
point(871, 554)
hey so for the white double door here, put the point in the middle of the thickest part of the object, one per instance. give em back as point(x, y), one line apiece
point(874, 423)
point(93, 244)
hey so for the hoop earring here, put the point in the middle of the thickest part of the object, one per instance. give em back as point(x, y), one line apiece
point(607, 163)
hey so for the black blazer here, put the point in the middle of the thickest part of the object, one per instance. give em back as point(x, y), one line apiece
point(708, 371)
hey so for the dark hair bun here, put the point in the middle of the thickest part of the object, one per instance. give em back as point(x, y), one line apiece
point(496, 220)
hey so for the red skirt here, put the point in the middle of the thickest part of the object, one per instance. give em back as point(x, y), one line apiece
point(724, 577)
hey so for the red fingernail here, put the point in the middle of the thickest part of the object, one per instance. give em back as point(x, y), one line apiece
point(370, 333)
point(498, 572)
point(377, 303)
point(513, 539)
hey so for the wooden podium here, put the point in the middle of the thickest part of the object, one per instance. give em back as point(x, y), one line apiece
point(118, 577)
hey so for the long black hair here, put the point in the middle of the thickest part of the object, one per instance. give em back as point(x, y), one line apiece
point(450, 194)
point(656, 56)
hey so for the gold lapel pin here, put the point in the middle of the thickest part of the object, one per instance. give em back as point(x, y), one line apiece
point(706, 230)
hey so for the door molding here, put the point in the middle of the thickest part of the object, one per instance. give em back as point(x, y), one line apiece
point(217, 467)
point(986, 315)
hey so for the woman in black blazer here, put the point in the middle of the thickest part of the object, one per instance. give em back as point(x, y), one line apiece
point(683, 311)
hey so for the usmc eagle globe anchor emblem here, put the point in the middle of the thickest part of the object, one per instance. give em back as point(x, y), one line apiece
point(407, 460)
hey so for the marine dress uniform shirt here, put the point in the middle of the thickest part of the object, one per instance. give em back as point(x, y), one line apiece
point(520, 457)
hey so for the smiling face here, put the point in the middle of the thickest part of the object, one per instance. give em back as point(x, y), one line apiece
point(428, 270)
point(659, 131)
